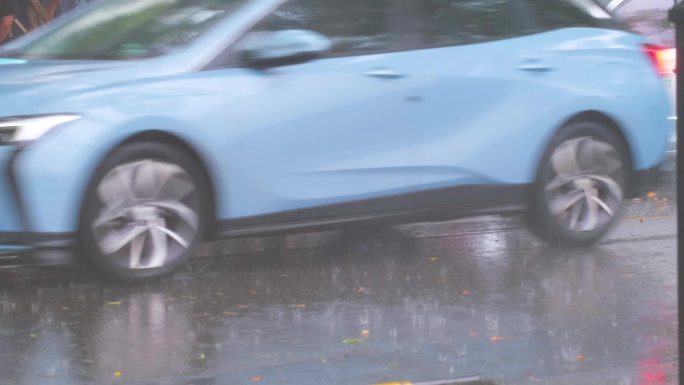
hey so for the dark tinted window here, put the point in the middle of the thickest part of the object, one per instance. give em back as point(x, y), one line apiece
point(570, 13)
point(354, 26)
point(454, 22)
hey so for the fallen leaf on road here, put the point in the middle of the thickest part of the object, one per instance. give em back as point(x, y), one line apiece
point(498, 338)
point(117, 374)
point(298, 306)
point(34, 335)
point(256, 379)
point(229, 313)
point(434, 259)
point(466, 293)
point(650, 195)
point(365, 333)
point(352, 341)
point(473, 334)
point(580, 358)
point(114, 303)
point(243, 306)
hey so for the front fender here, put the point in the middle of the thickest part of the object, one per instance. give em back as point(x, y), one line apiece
point(53, 173)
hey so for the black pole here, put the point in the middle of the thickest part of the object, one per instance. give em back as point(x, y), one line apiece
point(676, 16)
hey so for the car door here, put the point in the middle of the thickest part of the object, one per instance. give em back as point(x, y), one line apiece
point(328, 131)
point(486, 81)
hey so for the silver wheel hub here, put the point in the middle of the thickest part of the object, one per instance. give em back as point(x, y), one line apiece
point(148, 214)
point(585, 191)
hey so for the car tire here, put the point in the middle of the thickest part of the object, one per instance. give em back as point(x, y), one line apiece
point(580, 186)
point(144, 213)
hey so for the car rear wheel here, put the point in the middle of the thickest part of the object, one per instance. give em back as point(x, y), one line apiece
point(580, 186)
point(144, 213)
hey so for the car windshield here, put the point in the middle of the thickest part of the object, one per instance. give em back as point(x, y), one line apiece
point(129, 29)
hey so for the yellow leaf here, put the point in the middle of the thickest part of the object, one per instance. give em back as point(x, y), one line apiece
point(397, 383)
point(498, 338)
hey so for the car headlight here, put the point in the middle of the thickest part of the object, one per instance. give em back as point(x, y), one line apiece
point(27, 129)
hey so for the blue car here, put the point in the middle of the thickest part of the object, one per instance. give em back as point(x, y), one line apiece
point(132, 130)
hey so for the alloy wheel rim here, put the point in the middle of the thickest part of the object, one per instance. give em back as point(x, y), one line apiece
point(585, 192)
point(147, 214)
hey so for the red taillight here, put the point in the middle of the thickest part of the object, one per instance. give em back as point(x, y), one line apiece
point(664, 59)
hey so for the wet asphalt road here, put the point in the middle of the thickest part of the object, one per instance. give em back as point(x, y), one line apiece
point(475, 297)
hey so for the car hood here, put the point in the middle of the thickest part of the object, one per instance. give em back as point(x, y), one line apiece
point(32, 87)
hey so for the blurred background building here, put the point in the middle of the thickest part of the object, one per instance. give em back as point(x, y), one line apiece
point(648, 17)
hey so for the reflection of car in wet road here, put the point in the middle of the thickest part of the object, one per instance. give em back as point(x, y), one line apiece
point(473, 297)
point(137, 128)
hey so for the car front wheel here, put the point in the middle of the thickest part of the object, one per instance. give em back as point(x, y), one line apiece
point(145, 212)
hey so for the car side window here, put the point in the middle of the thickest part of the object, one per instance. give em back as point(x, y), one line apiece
point(355, 27)
point(458, 22)
point(554, 14)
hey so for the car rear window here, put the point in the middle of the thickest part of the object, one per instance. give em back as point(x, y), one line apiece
point(554, 14)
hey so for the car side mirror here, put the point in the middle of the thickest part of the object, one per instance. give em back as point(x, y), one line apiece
point(292, 46)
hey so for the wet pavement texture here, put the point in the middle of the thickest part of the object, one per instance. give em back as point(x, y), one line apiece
point(475, 297)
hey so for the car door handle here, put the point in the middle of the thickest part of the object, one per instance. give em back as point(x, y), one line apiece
point(535, 66)
point(384, 73)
